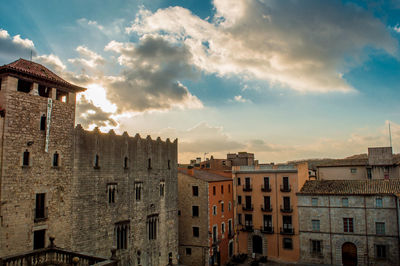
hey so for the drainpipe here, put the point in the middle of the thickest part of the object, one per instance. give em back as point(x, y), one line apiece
point(366, 229)
point(330, 226)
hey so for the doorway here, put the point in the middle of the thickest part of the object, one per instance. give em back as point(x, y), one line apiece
point(257, 245)
point(349, 254)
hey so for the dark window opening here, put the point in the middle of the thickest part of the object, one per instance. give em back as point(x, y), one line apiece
point(162, 186)
point(96, 161)
point(152, 226)
point(229, 188)
point(24, 86)
point(40, 209)
point(44, 91)
point(25, 161)
point(188, 251)
point(39, 239)
point(111, 189)
point(138, 191)
point(195, 191)
point(169, 164)
point(222, 207)
point(238, 181)
point(348, 225)
point(286, 183)
point(239, 199)
point(196, 232)
point(43, 122)
point(149, 163)
point(214, 190)
point(61, 96)
point(239, 218)
point(287, 243)
point(380, 251)
point(316, 246)
point(121, 232)
point(55, 159)
point(195, 211)
point(222, 189)
point(126, 161)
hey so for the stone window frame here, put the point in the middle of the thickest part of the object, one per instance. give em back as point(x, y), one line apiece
point(112, 189)
point(138, 185)
point(195, 191)
point(315, 225)
point(26, 158)
point(376, 251)
point(188, 251)
point(162, 188)
point(195, 207)
point(314, 202)
point(380, 228)
point(194, 228)
point(121, 233)
point(380, 205)
point(348, 224)
point(313, 250)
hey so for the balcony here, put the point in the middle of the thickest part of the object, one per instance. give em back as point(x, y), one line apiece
point(40, 214)
point(266, 188)
point(247, 188)
point(248, 228)
point(53, 255)
point(287, 231)
point(286, 209)
point(266, 208)
point(267, 229)
point(247, 207)
point(287, 188)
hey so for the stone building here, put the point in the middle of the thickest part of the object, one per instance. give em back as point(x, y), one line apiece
point(380, 163)
point(349, 222)
point(92, 191)
point(206, 218)
point(266, 210)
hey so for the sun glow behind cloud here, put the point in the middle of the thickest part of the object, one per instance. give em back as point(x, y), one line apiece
point(97, 94)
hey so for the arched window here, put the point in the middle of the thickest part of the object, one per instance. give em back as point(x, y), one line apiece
point(25, 161)
point(55, 159)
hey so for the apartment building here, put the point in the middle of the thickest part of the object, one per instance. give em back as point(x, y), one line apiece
point(266, 210)
point(205, 217)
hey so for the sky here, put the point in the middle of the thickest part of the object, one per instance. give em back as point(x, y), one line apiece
point(284, 79)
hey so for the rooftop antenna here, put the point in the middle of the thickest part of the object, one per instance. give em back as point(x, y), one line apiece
point(390, 136)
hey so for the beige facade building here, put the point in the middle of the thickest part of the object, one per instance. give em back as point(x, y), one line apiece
point(349, 222)
point(92, 191)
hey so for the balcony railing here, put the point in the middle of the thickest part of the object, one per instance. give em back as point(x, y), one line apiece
point(286, 209)
point(266, 188)
point(40, 214)
point(53, 255)
point(267, 229)
point(247, 207)
point(265, 208)
point(287, 188)
point(287, 231)
point(248, 228)
point(247, 188)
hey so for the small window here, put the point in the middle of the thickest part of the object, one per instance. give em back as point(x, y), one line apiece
point(314, 202)
point(96, 162)
point(239, 199)
point(369, 173)
point(196, 232)
point(353, 170)
point(195, 191)
point(315, 225)
point(348, 225)
point(179, 212)
point(316, 246)
point(222, 207)
point(55, 159)
point(381, 251)
point(345, 202)
point(238, 181)
point(43, 122)
point(121, 235)
point(229, 188)
point(188, 251)
point(149, 163)
point(126, 162)
point(111, 189)
point(239, 218)
point(39, 239)
point(169, 164)
point(223, 228)
point(214, 210)
point(287, 243)
point(214, 190)
point(222, 189)
point(40, 208)
point(61, 96)
point(229, 206)
point(195, 211)
point(379, 203)
point(380, 228)
point(44, 91)
point(162, 188)
point(24, 86)
point(25, 161)
point(138, 191)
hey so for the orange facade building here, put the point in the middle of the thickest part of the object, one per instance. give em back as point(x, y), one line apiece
point(206, 221)
point(266, 210)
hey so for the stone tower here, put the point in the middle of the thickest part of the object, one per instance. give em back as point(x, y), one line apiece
point(36, 157)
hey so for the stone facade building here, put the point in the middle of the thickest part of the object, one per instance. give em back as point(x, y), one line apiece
point(206, 218)
point(266, 210)
point(92, 191)
point(349, 222)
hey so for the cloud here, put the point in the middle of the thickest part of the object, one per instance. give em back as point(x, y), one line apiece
point(397, 28)
point(90, 59)
point(299, 44)
point(150, 76)
point(51, 61)
point(89, 114)
point(12, 48)
point(240, 99)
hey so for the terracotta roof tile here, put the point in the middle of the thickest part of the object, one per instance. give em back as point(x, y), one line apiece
point(361, 187)
point(206, 176)
point(38, 71)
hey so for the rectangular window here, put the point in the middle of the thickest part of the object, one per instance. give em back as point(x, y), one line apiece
point(40, 210)
point(121, 235)
point(43, 122)
point(316, 246)
point(345, 202)
point(348, 225)
point(247, 183)
point(223, 228)
point(214, 235)
point(315, 225)
point(353, 170)
point(369, 173)
point(248, 202)
point(381, 251)
point(196, 232)
point(39, 237)
point(162, 188)
point(229, 206)
point(152, 224)
point(229, 188)
point(25, 160)
point(379, 203)
point(380, 228)
point(238, 181)
point(195, 191)
point(267, 202)
point(248, 220)
point(239, 218)
point(266, 182)
point(138, 191)
point(239, 199)
point(222, 189)
point(286, 203)
point(287, 224)
point(286, 183)
point(214, 191)
point(195, 211)
point(230, 227)
point(214, 210)
point(111, 190)
point(222, 207)
point(287, 243)
point(267, 219)
point(55, 159)
point(24, 86)
point(188, 251)
point(314, 202)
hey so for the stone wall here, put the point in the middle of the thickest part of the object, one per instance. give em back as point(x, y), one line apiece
point(125, 162)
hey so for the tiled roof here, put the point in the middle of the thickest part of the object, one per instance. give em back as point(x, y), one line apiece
point(207, 176)
point(35, 70)
point(345, 187)
point(344, 162)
